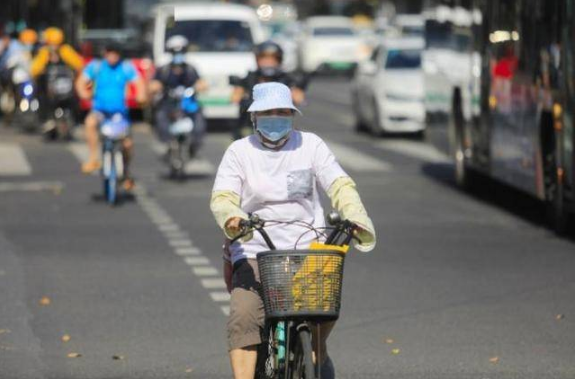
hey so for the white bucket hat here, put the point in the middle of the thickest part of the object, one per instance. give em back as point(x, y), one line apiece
point(272, 95)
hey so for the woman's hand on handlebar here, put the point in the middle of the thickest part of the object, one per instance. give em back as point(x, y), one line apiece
point(234, 226)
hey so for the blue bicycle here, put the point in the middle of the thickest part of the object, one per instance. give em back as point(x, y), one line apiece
point(114, 130)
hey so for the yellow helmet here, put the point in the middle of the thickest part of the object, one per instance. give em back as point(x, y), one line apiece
point(28, 37)
point(54, 36)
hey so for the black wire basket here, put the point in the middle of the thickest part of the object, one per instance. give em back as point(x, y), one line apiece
point(304, 284)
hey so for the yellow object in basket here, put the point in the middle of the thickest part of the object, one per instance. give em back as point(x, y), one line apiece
point(318, 279)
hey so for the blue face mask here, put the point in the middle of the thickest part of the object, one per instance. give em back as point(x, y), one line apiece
point(179, 58)
point(274, 128)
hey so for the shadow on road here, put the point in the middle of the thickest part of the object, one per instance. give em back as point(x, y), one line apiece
point(494, 193)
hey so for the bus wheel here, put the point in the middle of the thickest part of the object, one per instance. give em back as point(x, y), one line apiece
point(555, 207)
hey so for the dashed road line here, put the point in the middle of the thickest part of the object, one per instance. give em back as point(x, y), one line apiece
point(225, 309)
point(80, 151)
point(180, 243)
point(13, 160)
point(183, 246)
point(220, 296)
point(204, 271)
point(188, 251)
point(213, 283)
point(197, 261)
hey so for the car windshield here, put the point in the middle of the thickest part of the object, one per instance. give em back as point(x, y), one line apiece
point(333, 31)
point(213, 35)
point(403, 59)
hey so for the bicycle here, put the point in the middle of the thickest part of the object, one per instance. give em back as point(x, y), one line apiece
point(300, 288)
point(114, 130)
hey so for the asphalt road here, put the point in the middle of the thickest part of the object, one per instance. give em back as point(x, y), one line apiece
point(460, 286)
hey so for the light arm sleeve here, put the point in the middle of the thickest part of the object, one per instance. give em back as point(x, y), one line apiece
point(226, 201)
point(226, 205)
point(345, 199)
point(71, 58)
point(39, 62)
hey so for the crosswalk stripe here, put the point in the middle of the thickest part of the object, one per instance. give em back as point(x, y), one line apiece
point(80, 151)
point(13, 160)
point(417, 150)
point(357, 160)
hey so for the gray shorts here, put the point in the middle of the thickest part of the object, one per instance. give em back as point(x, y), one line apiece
point(247, 315)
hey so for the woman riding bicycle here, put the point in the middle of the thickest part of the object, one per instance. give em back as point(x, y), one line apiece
point(276, 173)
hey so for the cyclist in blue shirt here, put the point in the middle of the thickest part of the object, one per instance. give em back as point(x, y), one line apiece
point(105, 82)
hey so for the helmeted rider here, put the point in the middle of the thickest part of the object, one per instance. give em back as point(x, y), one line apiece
point(55, 51)
point(177, 73)
point(104, 81)
point(269, 58)
point(53, 59)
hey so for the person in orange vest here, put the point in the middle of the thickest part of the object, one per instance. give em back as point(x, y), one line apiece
point(55, 51)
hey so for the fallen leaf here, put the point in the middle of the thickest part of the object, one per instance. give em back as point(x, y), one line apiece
point(389, 341)
point(65, 338)
point(118, 357)
point(188, 370)
point(560, 317)
point(494, 360)
point(45, 300)
point(395, 351)
point(74, 355)
point(4, 331)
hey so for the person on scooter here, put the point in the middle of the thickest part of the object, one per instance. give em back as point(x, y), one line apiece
point(55, 51)
point(55, 60)
point(269, 58)
point(105, 81)
point(176, 74)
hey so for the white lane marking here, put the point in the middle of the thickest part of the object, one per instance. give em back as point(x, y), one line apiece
point(175, 234)
point(356, 160)
point(80, 151)
point(167, 227)
point(197, 261)
point(204, 271)
point(183, 251)
point(417, 150)
point(220, 296)
point(180, 243)
point(161, 220)
point(183, 246)
point(13, 160)
point(225, 309)
point(213, 283)
point(55, 187)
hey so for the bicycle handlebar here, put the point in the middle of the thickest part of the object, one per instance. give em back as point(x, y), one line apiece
point(339, 228)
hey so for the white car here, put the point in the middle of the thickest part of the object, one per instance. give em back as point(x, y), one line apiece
point(388, 90)
point(330, 43)
point(221, 38)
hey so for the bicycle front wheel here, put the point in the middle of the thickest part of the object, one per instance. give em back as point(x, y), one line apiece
point(302, 366)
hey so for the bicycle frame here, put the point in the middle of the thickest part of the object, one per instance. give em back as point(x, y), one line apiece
point(112, 168)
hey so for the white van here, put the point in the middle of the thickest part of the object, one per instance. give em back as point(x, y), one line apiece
point(221, 38)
